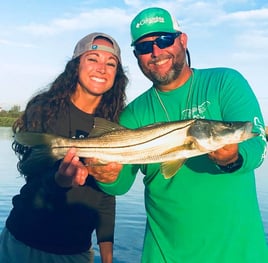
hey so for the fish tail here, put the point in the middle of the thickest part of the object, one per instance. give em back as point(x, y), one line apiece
point(40, 158)
point(34, 138)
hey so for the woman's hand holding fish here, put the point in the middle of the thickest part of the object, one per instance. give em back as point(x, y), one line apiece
point(72, 171)
point(106, 173)
point(225, 155)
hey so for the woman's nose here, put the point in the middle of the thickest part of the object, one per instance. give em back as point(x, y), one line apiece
point(101, 68)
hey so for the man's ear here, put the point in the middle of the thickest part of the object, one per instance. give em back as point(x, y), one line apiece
point(183, 40)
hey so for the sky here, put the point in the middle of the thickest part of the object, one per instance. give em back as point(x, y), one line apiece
point(37, 39)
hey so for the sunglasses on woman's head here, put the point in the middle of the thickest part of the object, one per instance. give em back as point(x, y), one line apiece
point(163, 41)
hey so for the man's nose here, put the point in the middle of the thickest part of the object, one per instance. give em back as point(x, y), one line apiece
point(156, 50)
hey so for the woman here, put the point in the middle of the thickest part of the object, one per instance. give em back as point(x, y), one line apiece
point(59, 207)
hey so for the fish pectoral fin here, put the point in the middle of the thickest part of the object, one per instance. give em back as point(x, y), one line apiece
point(169, 169)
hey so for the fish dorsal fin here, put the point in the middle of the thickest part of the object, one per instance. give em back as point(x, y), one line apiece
point(102, 126)
point(169, 169)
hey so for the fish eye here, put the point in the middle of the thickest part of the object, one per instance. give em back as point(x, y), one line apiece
point(229, 124)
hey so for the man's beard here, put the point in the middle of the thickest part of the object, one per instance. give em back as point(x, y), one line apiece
point(162, 80)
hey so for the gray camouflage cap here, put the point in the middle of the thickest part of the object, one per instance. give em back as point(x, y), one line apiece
point(86, 44)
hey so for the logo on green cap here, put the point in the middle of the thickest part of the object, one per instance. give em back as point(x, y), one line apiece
point(152, 20)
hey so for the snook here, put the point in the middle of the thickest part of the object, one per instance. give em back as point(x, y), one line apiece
point(167, 143)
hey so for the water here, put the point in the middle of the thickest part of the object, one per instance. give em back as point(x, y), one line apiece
point(130, 219)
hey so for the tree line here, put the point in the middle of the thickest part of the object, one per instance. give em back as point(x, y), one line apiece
point(7, 118)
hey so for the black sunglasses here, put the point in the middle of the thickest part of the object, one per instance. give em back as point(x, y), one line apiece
point(162, 42)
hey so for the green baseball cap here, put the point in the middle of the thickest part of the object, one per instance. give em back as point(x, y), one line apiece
point(152, 20)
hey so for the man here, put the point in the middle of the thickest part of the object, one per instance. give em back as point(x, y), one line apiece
point(208, 212)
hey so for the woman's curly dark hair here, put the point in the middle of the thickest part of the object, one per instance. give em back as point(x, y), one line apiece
point(49, 102)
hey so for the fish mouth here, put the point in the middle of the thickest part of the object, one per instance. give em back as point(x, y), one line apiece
point(248, 133)
point(247, 130)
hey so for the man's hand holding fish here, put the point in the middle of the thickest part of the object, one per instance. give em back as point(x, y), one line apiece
point(105, 173)
point(225, 155)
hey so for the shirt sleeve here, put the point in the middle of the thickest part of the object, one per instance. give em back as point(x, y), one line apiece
point(238, 102)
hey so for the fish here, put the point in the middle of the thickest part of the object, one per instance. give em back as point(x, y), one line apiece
point(167, 143)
